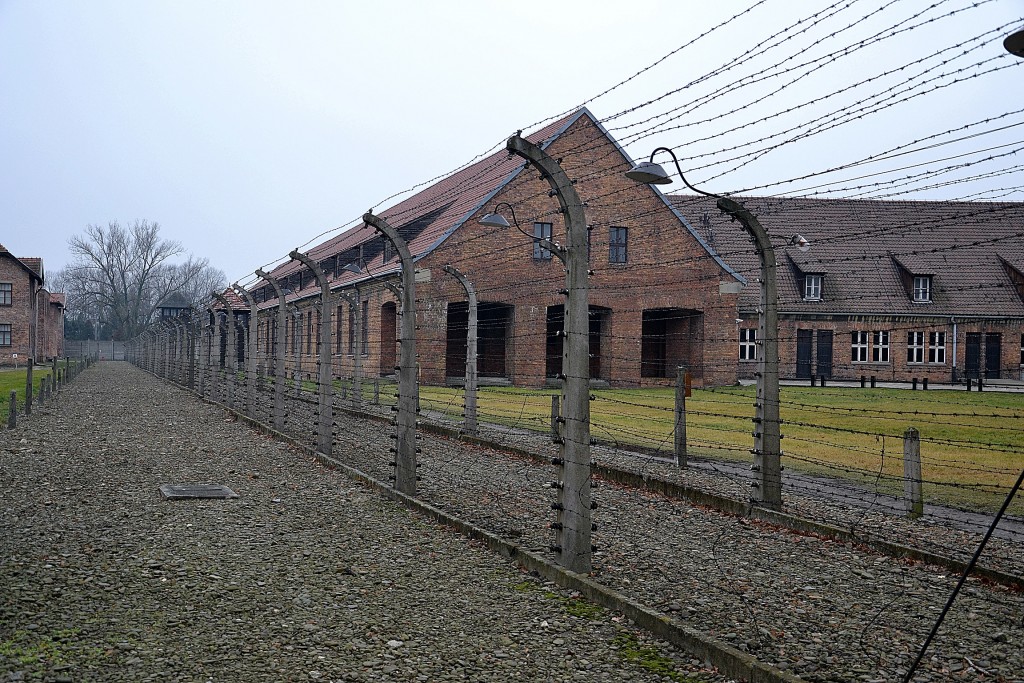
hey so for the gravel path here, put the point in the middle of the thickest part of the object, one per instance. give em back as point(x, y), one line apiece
point(304, 576)
point(824, 610)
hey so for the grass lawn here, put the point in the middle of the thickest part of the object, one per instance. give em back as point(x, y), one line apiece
point(972, 447)
point(15, 379)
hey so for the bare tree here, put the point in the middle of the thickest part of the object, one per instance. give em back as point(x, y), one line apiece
point(120, 275)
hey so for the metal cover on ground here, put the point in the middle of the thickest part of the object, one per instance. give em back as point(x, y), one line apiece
point(180, 491)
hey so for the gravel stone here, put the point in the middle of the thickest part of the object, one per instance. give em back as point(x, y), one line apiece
point(307, 575)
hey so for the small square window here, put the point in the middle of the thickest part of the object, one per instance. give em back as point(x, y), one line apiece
point(922, 288)
point(6, 294)
point(812, 288)
point(618, 239)
point(541, 231)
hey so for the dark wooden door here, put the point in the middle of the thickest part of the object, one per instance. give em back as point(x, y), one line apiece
point(825, 353)
point(804, 349)
point(993, 355)
point(972, 355)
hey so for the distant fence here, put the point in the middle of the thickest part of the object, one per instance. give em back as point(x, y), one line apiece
point(100, 350)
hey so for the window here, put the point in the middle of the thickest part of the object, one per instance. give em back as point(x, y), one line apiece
point(6, 293)
point(880, 346)
point(748, 344)
point(922, 288)
point(5, 335)
point(351, 330)
point(812, 288)
point(859, 347)
point(309, 333)
point(541, 231)
point(915, 347)
point(617, 242)
point(337, 330)
point(366, 328)
point(936, 347)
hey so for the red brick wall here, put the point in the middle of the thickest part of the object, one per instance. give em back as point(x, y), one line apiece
point(19, 314)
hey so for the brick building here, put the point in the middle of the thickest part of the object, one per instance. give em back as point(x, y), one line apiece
point(31, 318)
point(892, 289)
point(659, 295)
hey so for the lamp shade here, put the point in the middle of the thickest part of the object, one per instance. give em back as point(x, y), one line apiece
point(649, 173)
point(1014, 43)
point(494, 220)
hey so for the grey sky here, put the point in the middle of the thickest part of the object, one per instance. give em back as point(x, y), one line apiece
point(247, 128)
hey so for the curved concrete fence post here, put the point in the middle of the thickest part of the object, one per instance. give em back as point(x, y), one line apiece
point(278, 351)
point(469, 425)
point(325, 378)
point(408, 390)
point(250, 350)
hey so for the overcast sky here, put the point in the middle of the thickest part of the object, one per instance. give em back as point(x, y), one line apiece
point(247, 128)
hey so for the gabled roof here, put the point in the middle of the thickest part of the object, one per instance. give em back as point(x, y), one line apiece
point(175, 300)
point(859, 245)
point(34, 266)
point(429, 217)
point(238, 304)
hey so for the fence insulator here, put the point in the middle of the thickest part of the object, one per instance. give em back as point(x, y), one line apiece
point(593, 548)
point(557, 506)
point(555, 548)
point(555, 485)
point(593, 505)
point(593, 526)
point(557, 526)
point(557, 461)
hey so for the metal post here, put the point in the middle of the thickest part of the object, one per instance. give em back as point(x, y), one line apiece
point(408, 391)
point(250, 351)
point(469, 425)
point(573, 526)
point(282, 322)
point(325, 378)
point(767, 488)
point(913, 498)
point(680, 432)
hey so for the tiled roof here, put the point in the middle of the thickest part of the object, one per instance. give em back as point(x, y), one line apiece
point(32, 265)
point(429, 216)
point(58, 298)
point(237, 303)
point(857, 244)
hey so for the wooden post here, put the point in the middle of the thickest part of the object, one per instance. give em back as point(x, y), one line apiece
point(12, 410)
point(680, 431)
point(913, 499)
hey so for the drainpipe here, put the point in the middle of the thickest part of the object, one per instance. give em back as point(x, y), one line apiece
point(952, 321)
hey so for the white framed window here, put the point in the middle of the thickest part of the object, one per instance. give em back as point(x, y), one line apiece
point(915, 347)
point(748, 343)
point(859, 347)
point(937, 347)
point(880, 346)
point(541, 231)
point(812, 287)
point(922, 288)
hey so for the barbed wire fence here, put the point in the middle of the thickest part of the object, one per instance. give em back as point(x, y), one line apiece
point(882, 507)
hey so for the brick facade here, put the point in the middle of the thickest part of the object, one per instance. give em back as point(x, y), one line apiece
point(671, 302)
point(21, 313)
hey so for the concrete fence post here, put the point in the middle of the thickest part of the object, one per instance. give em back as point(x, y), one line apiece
point(680, 415)
point(355, 303)
point(470, 425)
point(281, 325)
point(913, 498)
point(28, 386)
point(12, 410)
point(325, 376)
point(252, 339)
